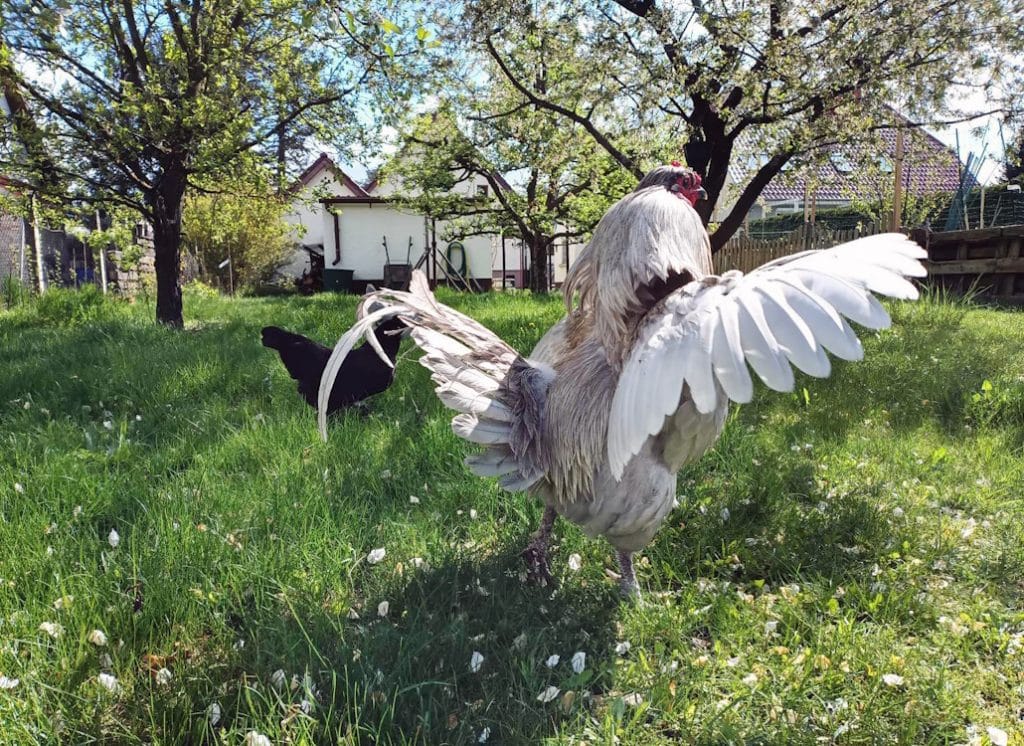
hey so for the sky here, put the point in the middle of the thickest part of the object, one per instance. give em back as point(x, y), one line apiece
point(978, 136)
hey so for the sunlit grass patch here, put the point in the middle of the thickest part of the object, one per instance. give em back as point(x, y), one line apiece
point(846, 565)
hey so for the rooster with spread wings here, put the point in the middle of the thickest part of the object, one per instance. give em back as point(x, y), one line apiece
point(635, 381)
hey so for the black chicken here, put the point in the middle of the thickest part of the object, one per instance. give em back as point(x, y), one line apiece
point(363, 374)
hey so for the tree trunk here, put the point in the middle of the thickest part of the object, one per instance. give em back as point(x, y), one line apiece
point(37, 240)
point(538, 263)
point(103, 256)
point(165, 202)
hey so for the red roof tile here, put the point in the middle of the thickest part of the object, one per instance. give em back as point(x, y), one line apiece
point(928, 167)
point(325, 162)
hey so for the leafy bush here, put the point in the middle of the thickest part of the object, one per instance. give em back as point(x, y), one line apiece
point(13, 292)
point(66, 307)
point(839, 218)
point(200, 289)
point(250, 230)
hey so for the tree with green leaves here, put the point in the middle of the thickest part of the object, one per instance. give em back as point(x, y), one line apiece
point(1014, 157)
point(134, 102)
point(483, 125)
point(774, 78)
point(249, 231)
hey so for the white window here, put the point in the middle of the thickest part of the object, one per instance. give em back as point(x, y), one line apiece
point(841, 163)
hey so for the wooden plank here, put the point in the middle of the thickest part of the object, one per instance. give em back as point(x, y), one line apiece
point(977, 266)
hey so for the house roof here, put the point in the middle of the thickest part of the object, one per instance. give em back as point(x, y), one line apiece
point(360, 193)
point(928, 167)
point(498, 179)
point(321, 164)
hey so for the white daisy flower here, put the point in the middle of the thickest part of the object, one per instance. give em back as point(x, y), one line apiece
point(579, 661)
point(114, 538)
point(621, 648)
point(382, 608)
point(252, 738)
point(376, 555)
point(109, 682)
point(548, 694)
point(97, 638)
point(413, 500)
point(53, 629)
point(575, 562)
point(892, 679)
point(997, 736)
point(476, 660)
point(164, 676)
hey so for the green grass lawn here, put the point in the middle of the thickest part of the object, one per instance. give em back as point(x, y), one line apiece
point(846, 565)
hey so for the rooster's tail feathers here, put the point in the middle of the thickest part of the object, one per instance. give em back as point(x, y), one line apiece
point(499, 395)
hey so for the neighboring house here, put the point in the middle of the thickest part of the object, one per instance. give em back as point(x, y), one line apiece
point(348, 224)
point(14, 248)
point(65, 258)
point(929, 168)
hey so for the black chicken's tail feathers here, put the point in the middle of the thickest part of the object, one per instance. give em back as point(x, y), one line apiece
point(275, 338)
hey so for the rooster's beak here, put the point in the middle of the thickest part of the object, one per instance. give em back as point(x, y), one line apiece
point(701, 194)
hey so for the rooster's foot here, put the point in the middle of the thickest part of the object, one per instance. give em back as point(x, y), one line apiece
point(628, 586)
point(538, 567)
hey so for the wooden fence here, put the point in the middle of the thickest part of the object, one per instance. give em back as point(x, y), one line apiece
point(745, 253)
point(988, 262)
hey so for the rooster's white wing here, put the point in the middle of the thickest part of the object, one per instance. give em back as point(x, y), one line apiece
point(500, 396)
point(787, 311)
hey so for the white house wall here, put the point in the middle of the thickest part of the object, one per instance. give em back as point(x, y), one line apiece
point(312, 223)
point(362, 229)
point(363, 226)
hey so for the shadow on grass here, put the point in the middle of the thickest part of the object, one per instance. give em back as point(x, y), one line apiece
point(406, 677)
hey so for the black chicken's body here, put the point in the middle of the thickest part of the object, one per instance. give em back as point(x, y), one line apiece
point(363, 374)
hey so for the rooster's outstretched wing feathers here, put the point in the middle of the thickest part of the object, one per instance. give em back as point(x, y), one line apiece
point(500, 396)
point(787, 311)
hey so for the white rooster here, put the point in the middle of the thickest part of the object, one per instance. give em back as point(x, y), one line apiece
point(635, 381)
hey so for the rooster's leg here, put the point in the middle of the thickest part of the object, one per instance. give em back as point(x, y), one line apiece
point(627, 583)
point(538, 569)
